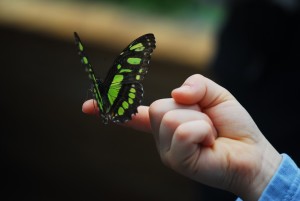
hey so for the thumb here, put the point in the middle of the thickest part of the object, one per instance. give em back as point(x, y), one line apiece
point(198, 89)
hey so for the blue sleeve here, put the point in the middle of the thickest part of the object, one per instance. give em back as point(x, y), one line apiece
point(285, 184)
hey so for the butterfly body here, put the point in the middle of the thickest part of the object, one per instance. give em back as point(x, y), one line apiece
point(121, 92)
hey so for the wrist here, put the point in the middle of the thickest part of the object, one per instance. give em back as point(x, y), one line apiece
point(270, 161)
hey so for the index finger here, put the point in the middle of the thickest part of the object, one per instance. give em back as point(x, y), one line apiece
point(140, 121)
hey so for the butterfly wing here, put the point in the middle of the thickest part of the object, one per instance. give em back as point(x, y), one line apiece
point(89, 69)
point(123, 81)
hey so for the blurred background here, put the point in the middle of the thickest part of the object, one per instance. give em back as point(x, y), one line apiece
point(50, 150)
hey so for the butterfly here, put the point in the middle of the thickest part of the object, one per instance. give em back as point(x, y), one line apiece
point(121, 92)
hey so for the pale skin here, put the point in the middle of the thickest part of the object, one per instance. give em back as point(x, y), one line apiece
point(204, 133)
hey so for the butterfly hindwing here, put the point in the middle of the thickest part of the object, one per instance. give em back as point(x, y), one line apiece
point(125, 90)
point(131, 96)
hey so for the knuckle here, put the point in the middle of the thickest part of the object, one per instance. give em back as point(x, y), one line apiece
point(181, 133)
point(169, 119)
point(158, 107)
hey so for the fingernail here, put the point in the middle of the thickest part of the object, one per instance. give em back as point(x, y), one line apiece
point(183, 88)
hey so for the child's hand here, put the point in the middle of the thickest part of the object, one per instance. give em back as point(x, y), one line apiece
point(204, 133)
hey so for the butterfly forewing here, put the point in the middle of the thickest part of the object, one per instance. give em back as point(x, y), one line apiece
point(125, 90)
point(89, 69)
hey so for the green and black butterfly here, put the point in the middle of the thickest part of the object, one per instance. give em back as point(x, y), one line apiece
point(121, 92)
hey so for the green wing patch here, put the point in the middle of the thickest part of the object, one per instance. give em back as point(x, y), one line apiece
point(121, 92)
